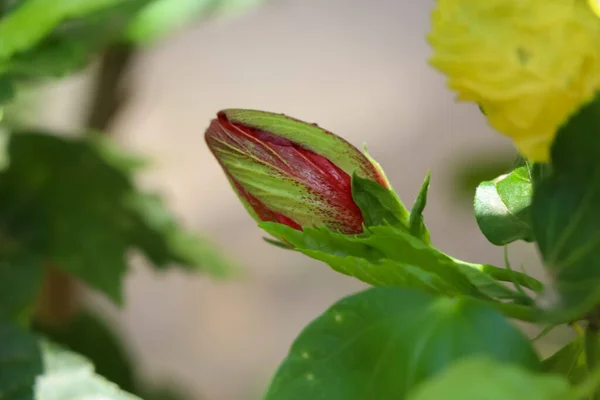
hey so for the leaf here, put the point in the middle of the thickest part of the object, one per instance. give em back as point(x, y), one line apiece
point(379, 205)
point(164, 16)
point(569, 362)
point(484, 378)
point(64, 202)
point(388, 256)
point(20, 281)
point(566, 217)
point(502, 207)
point(20, 362)
point(70, 376)
point(416, 224)
point(7, 91)
point(380, 343)
point(163, 240)
point(72, 44)
point(26, 25)
point(89, 336)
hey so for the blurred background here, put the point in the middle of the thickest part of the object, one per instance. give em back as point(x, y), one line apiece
point(359, 69)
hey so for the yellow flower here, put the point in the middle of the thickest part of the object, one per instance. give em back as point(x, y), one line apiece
point(530, 64)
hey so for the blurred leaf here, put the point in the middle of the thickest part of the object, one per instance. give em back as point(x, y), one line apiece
point(70, 376)
point(26, 25)
point(569, 362)
point(72, 44)
point(67, 192)
point(469, 172)
point(20, 281)
point(416, 223)
point(380, 343)
point(7, 91)
point(379, 205)
point(88, 335)
point(388, 256)
point(20, 362)
point(163, 240)
point(485, 378)
point(566, 216)
point(502, 207)
point(164, 16)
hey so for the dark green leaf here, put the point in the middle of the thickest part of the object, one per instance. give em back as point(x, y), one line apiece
point(7, 91)
point(484, 378)
point(379, 205)
point(380, 343)
point(20, 281)
point(64, 202)
point(566, 216)
point(89, 336)
point(502, 207)
point(416, 224)
point(70, 376)
point(388, 256)
point(569, 362)
point(20, 362)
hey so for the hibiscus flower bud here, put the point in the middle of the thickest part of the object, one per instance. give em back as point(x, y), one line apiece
point(288, 171)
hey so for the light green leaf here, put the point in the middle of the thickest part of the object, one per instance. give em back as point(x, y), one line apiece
point(416, 223)
point(68, 375)
point(379, 205)
point(164, 16)
point(502, 207)
point(387, 256)
point(484, 378)
point(27, 24)
point(380, 343)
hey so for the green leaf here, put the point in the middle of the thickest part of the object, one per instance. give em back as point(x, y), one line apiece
point(20, 281)
point(89, 336)
point(164, 16)
point(379, 205)
point(484, 378)
point(7, 91)
point(416, 223)
point(64, 202)
point(163, 240)
point(72, 44)
point(502, 207)
point(566, 216)
point(70, 376)
point(569, 362)
point(380, 343)
point(28, 24)
point(388, 256)
point(20, 362)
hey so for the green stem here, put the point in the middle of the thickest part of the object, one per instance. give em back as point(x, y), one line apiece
point(506, 275)
point(591, 352)
point(516, 311)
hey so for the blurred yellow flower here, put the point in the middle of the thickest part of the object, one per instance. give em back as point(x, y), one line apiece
point(530, 64)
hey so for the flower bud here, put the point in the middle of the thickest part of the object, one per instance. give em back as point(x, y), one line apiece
point(288, 171)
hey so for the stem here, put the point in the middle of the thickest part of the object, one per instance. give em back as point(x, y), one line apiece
point(516, 311)
point(591, 351)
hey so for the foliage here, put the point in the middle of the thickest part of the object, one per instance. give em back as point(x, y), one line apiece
point(71, 204)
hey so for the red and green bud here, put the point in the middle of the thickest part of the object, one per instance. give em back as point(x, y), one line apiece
point(288, 171)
